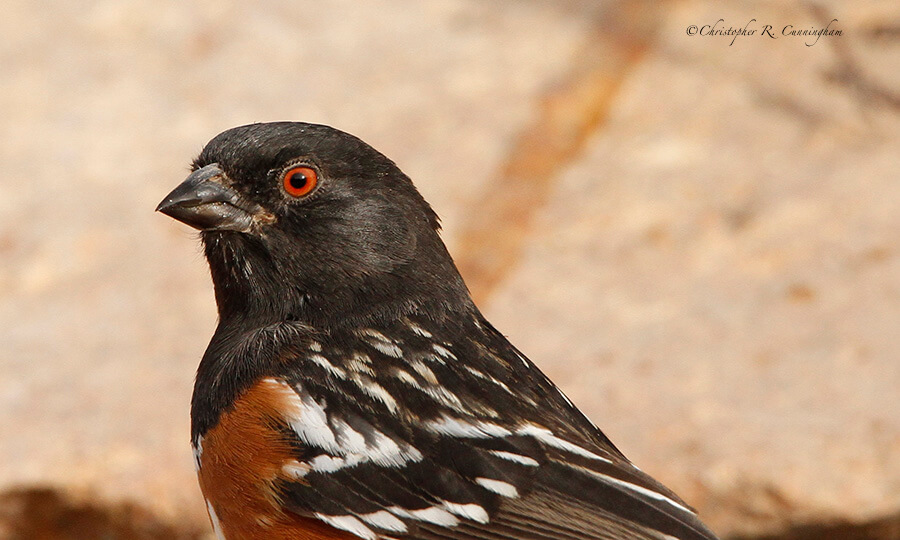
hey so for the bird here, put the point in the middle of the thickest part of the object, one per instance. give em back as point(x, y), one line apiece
point(352, 389)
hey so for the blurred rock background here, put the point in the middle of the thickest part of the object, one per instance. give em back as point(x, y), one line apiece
point(698, 241)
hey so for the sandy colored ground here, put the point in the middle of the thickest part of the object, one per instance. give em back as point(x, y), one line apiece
point(697, 241)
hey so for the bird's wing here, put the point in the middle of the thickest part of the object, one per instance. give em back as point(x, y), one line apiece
point(452, 477)
point(410, 434)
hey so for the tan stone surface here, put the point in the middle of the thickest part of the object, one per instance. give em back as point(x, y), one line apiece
point(714, 277)
point(717, 281)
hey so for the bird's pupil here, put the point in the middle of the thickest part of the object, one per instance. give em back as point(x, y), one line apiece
point(298, 180)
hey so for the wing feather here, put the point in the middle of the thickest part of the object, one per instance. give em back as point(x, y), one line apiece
point(403, 459)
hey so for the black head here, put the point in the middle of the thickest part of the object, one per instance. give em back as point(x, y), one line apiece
point(302, 221)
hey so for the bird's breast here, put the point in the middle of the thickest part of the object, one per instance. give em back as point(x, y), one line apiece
point(240, 463)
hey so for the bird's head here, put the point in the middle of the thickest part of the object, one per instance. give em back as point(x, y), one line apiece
point(305, 221)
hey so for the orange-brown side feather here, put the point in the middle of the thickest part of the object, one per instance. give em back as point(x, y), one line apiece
point(242, 458)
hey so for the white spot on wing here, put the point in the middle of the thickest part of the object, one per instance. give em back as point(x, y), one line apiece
point(437, 392)
point(389, 349)
point(547, 437)
point(477, 429)
point(362, 357)
point(320, 360)
point(327, 464)
point(633, 487)
point(315, 346)
point(375, 390)
point(501, 488)
point(433, 357)
point(388, 453)
point(443, 351)
point(468, 511)
point(350, 440)
point(197, 451)
point(515, 458)
point(424, 371)
point(345, 446)
point(482, 375)
point(500, 383)
point(294, 469)
point(355, 364)
point(381, 342)
point(383, 451)
point(418, 330)
point(433, 514)
point(445, 397)
point(349, 524)
point(565, 398)
point(524, 360)
point(308, 419)
point(475, 372)
point(384, 520)
point(407, 378)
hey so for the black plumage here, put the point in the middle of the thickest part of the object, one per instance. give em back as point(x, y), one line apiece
point(432, 425)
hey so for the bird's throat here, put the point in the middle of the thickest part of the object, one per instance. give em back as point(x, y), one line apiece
point(252, 290)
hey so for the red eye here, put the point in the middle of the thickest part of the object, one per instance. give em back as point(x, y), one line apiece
point(299, 181)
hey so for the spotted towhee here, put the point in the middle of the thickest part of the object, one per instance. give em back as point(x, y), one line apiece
point(353, 390)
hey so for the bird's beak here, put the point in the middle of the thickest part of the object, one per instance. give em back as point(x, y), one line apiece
point(204, 202)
